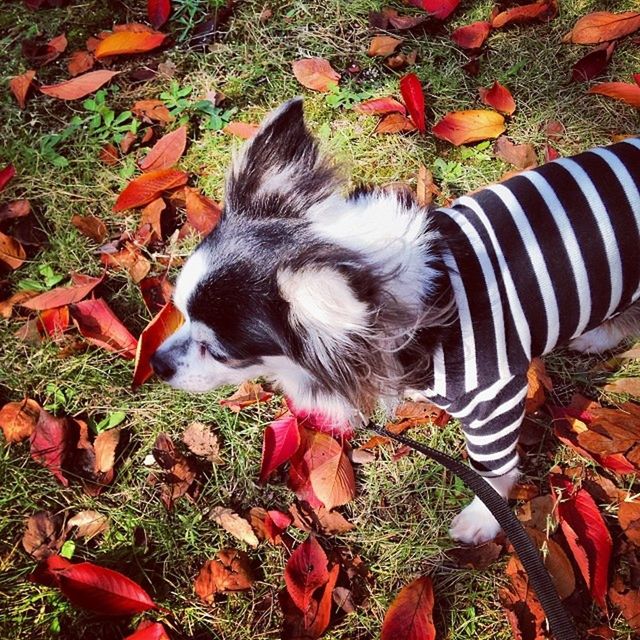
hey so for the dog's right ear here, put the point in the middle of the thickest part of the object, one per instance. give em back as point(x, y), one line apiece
point(280, 172)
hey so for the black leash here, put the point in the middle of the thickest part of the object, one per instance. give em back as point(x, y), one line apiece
point(560, 623)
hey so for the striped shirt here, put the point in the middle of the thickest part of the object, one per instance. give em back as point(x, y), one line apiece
point(534, 261)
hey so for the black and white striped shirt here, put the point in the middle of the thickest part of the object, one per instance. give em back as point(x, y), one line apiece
point(534, 261)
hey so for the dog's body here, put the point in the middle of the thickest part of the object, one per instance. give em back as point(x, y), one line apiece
point(345, 302)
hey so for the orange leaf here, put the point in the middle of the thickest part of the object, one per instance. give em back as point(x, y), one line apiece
point(18, 419)
point(624, 91)
point(82, 286)
point(152, 215)
point(315, 73)
point(383, 46)
point(79, 62)
point(203, 214)
point(498, 97)
point(100, 326)
point(410, 616)
point(155, 333)
point(152, 111)
point(12, 253)
point(462, 127)
point(305, 572)
point(20, 86)
point(127, 42)
point(379, 106)
point(472, 36)
point(167, 151)
point(148, 187)
point(244, 130)
point(80, 86)
point(603, 26)
point(394, 123)
point(53, 322)
point(544, 10)
point(109, 155)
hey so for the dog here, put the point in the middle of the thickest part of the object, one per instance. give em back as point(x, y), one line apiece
point(349, 301)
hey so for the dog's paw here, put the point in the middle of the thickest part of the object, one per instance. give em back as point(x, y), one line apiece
point(415, 396)
point(475, 524)
point(597, 340)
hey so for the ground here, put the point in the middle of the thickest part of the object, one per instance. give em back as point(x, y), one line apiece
point(403, 507)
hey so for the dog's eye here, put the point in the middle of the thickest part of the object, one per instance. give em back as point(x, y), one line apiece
point(206, 349)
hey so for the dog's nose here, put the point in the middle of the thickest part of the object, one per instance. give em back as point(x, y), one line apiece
point(162, 366)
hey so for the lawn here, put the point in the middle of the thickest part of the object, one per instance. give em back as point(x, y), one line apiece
point(404, 504)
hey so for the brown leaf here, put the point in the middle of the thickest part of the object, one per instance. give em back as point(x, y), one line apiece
point(44, 535)
point(18, 419)
point(166, 152)
point(109, 154)
point(79, 62)
point(50, 443)
point(88, 524)
point(383, 46)
point(180, 473)
point(380, 106)
point(203, 214)
point(244, 130)
point(593, 64)
point(12, 253)
point(269, 525)
point(234, 524)
point(629, 386)
point(247, 394)
point(20, 86)
point(627, 600)
point(603, 26)
point(156, 292)
point(629, 519)
point(472, 36)
point(91, 227)
point(82, 285)
point(315, 73)
point(477, 557)
point(80, 86)
point(394, 123)
point(6, 306)
point(130, 259)
point(152, 111)
point(229, 571)
point(536, 11)
point(39, 53)
point(521, 156)
point(425, 187)
point(105, 446)
point(15, 209)
point(319, 520)
point(201, 441)
point(537, 512)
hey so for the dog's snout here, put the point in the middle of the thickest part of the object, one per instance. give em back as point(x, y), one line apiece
point(162, 366)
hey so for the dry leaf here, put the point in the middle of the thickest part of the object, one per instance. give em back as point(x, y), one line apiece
point(91, 227)
point(20, 86)
point(463, 127)
point(166, 152)
point(79, 62)
point(18, 419)
point(230, 571)
point(80, 86)
point(603, 26)
point(394, 123)
point(201, 441)
point(234, 524)
point(521, 156)
point(44, 535)
point(88, 524)
point(383, 46)
point(315, 73)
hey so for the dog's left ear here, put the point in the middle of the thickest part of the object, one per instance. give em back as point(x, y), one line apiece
point(280, 172)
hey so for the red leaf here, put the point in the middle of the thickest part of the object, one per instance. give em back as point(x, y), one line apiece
point(50, 443)
point(410, 615)
point(281, 440)
point(440, 9)
point(593, 64)
point(158, 12)
point(587, 536)
point(20, 86)
point(462, 127)
point(306, 571)
point(53, 322)
point(315, 73)
point(244, 130)
point(203, 214)
point(79, 62)
point(525, 13)
point(79, 86)
point(624, 91)
point(413, 96)
point(317, 618)
point(154, 334)
point(379, 106)
point(148, 187)
point(149, 631)
point(102, 590)
point(498, 97)
point(128, 42)
point(603, 26)
point(46, 572)
point(99, 325)
point(60, 296)
point(472, 36)
point(321, 422)
point(5, 175)
point(166, 152)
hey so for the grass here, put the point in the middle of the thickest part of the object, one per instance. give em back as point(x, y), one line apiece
point(404, 507)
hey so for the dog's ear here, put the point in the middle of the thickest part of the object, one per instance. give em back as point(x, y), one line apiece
point(280, 172)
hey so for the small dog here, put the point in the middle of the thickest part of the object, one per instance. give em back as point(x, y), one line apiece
point(349, 301)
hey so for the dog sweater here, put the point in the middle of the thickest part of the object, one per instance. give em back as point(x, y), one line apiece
point(534, 261)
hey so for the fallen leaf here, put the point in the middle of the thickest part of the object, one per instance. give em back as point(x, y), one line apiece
point(148, 630)
point(630, 386)
point(543, 10)
point(79, 62)
point(472, 36)
point(305, 572)
point(166, 151)
point(380, 106)
point(90, 226)
point(39, 53)
point(521, 156)
point(158, 12)
point(410, 615)
point(50, 443)
point(413, 96)
point(402, 22)
point(383, 46)
point(12, 253)
point(44, 535)
point(247, 394)
point(629, 520)
point(320, 520)
point(99, 325)
point(440, 9)
point(201, 441)
point(80, 86)
point(594, 64)
point(53, 322)
point(269, 525)
point(20, 86)
point(281, 440)
point(244, 130)
point(6, 175)
point(627, 600)
point(82, 286)
point(149, 186)
point(603, 26)
point(98, 589)
point(234, 524)
point(180, 473)
point(20, 208)
point(498, 97)
point(88, 524)
point(203, 214)
point(402, 60)
point(394, 123)
point(129, 258)
point(152, 111)
point(19, 419)
point(315, 73)
point(478, 557)
point(128, 42)
point(6, 306)
point(156, 292)
point(230, 571)
point(463, 127)
point(127, 141)
point(168, 320)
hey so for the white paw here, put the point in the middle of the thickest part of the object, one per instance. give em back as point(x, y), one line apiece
point(415, 396)
point(597, 340)
point(474, 524)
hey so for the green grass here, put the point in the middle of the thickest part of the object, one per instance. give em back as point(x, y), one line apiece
point(403, 508)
